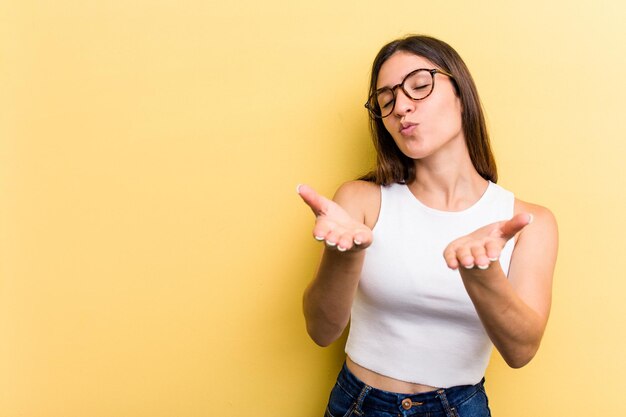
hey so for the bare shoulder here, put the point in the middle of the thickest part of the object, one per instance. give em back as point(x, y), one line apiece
point(359, 189)
point(361, 199)
point(541, 236)
point(541, 215)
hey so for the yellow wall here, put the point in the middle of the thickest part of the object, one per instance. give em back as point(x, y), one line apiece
point(153, 250)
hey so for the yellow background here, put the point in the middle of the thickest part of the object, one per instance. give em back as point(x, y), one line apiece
point(153, 250)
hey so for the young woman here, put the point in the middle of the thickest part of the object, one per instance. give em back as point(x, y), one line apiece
point(429, 260)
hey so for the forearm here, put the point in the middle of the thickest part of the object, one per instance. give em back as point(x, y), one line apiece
point(514, 327)
point(328, 299)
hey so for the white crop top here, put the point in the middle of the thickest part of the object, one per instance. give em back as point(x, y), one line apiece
point(412, 318)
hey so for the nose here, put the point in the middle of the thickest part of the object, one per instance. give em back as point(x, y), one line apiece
point(404, 104)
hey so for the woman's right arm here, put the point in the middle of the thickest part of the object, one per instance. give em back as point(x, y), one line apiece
point(345, 226)
point(328, 298)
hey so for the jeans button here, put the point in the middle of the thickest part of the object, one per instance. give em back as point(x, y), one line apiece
point(407, 403)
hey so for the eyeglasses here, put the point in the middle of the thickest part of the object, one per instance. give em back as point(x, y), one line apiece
point(417, 85)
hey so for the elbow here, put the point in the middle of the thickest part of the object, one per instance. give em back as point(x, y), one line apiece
point(518, 352)
point(324, 335)
point(521, 357)
point(322, 326)
point(320, 340)
point(518, 363)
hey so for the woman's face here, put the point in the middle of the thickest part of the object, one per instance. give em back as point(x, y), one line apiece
point(422, 128)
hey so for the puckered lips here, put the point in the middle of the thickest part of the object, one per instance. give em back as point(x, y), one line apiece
point(407, 128)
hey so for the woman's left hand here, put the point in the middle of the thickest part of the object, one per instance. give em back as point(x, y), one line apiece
point(483, 246)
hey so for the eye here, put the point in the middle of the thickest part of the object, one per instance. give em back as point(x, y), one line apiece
point(386, 104)
point(420, 87)
point(385, 98)
point(418, 84)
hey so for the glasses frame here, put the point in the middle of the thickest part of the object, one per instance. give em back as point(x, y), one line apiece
point(372, 109)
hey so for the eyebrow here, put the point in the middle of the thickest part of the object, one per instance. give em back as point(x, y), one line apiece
point(404, 78)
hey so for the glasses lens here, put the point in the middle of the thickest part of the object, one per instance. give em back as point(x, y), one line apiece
point(419, 84)
point(383, 102)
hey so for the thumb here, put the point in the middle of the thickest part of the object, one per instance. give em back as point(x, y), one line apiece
point(317, 203)
point(511, 227)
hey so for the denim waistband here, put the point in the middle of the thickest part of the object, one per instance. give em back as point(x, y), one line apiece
point(438, 401)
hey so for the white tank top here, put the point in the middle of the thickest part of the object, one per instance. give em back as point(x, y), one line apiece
point(412, 318)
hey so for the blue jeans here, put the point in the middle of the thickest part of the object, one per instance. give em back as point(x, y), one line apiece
point(352, 397)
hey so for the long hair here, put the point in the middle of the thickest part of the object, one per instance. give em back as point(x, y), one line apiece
point(392, 166)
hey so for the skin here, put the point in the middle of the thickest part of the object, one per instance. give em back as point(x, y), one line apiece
point(513, 310)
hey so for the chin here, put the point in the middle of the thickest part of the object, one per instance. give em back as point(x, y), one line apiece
point(416, 152)
point(416, 156)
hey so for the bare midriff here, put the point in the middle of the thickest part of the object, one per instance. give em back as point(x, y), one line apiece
point(385, 383)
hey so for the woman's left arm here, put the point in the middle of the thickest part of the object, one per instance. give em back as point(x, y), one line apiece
point(513, 310)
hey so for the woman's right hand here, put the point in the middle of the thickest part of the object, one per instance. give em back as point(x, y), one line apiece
point(333, 224)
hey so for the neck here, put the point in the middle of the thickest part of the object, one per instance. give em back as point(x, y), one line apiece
point(445, 185)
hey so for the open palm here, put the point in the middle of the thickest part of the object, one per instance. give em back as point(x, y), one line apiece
point(333, 224)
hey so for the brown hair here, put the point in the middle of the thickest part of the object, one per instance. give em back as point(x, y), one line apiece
point(392, 166)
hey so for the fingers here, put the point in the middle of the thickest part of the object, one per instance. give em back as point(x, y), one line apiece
point(333, 224)
point(341, 238)
point(317, 202)
point(343, 244)
point(492, 250)
point(471, 254)
point(479, 255)
point(464, 257)
point(346, 241)
point(450, 256)
point(511, 227)
point(479, 249)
